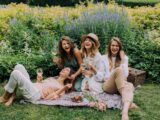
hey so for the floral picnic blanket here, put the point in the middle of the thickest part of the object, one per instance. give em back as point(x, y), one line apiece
point(112, 101)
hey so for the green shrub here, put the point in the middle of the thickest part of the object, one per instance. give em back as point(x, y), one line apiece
point(53, 2)
point(133, 3)
point(106, 23)
point(50, 2)
point(31, 35)
point(31, 63)
point(30, 41)
point(144, 55)
point(15, 1)
point(149, 20)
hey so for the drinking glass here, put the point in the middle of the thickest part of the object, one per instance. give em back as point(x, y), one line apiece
point(39, 74)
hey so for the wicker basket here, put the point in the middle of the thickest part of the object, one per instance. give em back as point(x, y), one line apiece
point(137, 77)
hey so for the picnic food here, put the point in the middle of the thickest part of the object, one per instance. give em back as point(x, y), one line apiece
point(76, 99)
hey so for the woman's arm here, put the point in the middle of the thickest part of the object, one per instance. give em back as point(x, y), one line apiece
point(124, 63)
point(124, 66)
point(106, 67)
point(56, 94)
point(51, 96)
point(98, 69)
point(122, 56)
point(62, 90)
point(78, 56)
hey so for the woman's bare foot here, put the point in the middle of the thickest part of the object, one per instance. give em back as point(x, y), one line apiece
point(125, 116)
point(133, 106)
point(2, 99)
point(92, 104)
point(10, 101)
point(5, 97)
point(99, 105)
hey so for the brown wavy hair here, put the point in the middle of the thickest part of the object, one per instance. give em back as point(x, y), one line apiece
point(94, 48)
point(62, 53)
point(118, 58)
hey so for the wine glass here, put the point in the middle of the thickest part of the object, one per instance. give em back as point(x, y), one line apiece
point(39, 74)
point(84, 69)
point(54, 49)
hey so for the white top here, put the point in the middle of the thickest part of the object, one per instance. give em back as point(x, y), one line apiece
point(124, 66)
point(95, 82)
point(113, 61)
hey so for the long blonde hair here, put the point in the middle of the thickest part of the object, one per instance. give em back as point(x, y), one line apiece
point(118, 58)
point(93, 50)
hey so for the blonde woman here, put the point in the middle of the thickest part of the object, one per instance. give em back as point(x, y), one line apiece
point(92, 67)
point(116, 72)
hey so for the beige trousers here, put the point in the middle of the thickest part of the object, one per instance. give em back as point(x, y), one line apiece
point(118, 83)
point(20, 79)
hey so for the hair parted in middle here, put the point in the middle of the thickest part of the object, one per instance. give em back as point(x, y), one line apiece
point(62, 53)
point(118, 58)
point(95, 44)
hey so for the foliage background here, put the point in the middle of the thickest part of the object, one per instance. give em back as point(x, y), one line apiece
point(133, 3)
point(51, 2)
point(29, 35)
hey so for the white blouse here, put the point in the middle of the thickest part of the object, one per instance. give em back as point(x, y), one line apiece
point(95, 82)
point(124, 66)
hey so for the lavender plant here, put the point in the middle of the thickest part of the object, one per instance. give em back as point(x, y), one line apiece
point(104, 22)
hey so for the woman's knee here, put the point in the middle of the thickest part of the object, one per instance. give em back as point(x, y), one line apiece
point(118, 70)
point(15, 73)
point(104, 87)
point(19, 66)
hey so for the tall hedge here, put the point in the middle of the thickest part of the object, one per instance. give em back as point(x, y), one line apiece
point(31, 39)
point(104, 22)
point(143, 53)
point(50, 2)
point(12, 1)
point(134, 3)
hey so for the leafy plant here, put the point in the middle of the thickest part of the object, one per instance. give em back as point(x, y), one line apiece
point(104, 22)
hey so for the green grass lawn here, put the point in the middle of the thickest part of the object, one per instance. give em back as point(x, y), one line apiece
point(147, 98)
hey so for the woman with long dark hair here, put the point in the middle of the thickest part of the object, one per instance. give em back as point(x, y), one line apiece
point(70, 56)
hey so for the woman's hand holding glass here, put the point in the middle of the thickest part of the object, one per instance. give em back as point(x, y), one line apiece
point(91, 66)
point(86, 71)
point(39, 74)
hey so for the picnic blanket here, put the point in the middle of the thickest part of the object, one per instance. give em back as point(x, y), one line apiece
point(112, 101)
